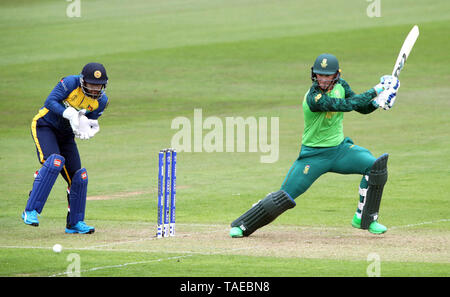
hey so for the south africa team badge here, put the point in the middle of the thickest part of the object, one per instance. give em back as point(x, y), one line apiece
point(306, 170)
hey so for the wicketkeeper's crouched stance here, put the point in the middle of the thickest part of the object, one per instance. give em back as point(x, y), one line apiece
point(325, 149)
point(71, 110)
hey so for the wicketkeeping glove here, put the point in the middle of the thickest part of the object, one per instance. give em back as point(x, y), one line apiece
point(88, 128)
point(94, 127)
point(84, 128)
point(73, 116)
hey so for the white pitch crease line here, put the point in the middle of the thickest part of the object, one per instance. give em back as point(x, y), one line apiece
point(189, 234)
point(146, 239)
point(122, 265)
point(149, 261)
point(420, 224)
point(24, 247)
point(95, 247)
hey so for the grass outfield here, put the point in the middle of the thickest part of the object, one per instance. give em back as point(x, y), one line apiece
point(230, 59)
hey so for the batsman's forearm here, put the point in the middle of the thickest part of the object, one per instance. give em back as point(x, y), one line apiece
point(368, 105)
point(322, 102)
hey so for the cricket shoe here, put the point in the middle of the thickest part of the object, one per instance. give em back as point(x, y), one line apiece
point(236, 232)
point(374, 227)
point(80, 228)
point(30, 217)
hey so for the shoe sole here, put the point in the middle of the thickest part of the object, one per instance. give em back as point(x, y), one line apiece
point(377, 233)
point(359, 227)
point(77, 232)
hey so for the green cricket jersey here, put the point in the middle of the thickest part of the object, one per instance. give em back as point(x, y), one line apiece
point(324, 112)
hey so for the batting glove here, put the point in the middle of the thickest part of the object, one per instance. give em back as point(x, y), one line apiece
point(390, 100)
point(390, 82)
point(386, 99)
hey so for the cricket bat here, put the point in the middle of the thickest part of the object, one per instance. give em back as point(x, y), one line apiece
point(405, 50)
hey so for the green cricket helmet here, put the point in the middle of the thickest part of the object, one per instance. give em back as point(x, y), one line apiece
point(325, 64)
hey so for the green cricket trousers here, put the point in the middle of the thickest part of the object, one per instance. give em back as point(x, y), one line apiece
point(345, 158)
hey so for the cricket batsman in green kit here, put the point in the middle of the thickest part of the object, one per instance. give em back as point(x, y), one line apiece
point(326, 149)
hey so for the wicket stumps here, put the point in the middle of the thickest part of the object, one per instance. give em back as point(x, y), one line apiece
point(167, 176)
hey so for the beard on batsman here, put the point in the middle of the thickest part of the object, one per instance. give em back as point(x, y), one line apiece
point(325, 149)
point(71, 110)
